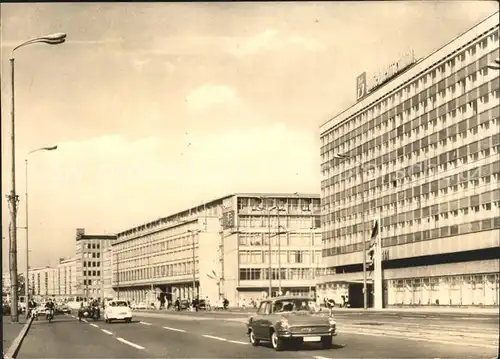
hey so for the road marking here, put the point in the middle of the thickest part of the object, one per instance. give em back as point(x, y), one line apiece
point(320, 357)
point(145, 323)
point(94, 325)
point(237, 342)
point(216, 338)
point(422, 339)
point(107, 331)
point(129, 343)
point(175, 329)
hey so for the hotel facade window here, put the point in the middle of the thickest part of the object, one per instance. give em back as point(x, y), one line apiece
point(428, 144)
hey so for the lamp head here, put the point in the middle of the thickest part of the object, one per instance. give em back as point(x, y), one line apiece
point(54, 39)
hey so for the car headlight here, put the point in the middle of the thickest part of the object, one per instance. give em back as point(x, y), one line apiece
point(332, 322)
point(284, 323)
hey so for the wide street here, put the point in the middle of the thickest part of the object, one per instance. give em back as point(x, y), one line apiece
point(209, 335)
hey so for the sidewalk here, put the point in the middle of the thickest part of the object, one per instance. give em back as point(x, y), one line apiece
point(11, 330)
point(395, 310)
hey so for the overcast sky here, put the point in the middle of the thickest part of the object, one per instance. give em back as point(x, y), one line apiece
point(156, 107)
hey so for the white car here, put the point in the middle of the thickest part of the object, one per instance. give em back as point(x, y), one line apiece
point(139, 306)
point(117, 310)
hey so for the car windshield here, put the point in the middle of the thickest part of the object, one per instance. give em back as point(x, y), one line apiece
point(293, 305)
point(118, 304)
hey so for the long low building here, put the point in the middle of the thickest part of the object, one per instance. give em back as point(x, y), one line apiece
point(221, 249)
point(58, 281)
point(419, 151)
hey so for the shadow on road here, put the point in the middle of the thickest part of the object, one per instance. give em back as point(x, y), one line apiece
point(304, 346)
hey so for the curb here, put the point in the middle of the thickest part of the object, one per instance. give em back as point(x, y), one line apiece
point(16, 345)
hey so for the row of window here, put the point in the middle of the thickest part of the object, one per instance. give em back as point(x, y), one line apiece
point(151, 261)
point(88, 255)
point(474, 198)
point(162, 271)
point(295, 222)
point(404, 122)
point(287, 204)
point(426, 143)
point(92, 273)
point(460, 158)
point(463, 177)
point(289, 239)
point(286, 273)
point(445, 72)
point(481, 289)
point(259, 257)
point(487, 224)
point(422, 212)
point(403, 153)
point(162, 244)
point(144, 236)
point(93, 246)
point(468, 117)
point(91, 264)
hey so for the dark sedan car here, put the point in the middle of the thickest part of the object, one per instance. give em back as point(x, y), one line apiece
point(291, 319)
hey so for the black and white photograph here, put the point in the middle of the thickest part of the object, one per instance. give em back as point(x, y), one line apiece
point(250, 179)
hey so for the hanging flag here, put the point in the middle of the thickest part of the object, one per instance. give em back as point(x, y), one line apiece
point(374, 229)
point(370, 255)
point(341, 156)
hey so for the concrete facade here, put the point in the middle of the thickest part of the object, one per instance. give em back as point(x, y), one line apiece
point(424, 158)
point(89, 263)
point(227, 240)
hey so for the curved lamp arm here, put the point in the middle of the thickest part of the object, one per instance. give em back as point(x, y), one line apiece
point(49, 148)
point(53, 39)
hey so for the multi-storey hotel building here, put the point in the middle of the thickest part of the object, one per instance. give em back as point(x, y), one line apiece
point(423, 157)
point(221, 249)
point(89, 263)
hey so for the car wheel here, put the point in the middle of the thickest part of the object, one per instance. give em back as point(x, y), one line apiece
point(128, 320)
point(255, 342)
point(326, 342)
point(277, 342)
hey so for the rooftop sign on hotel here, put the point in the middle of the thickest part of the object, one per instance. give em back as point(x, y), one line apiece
point(366, 85)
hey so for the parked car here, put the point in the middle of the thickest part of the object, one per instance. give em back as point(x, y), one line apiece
point(117, 310)
point(139, 306)
point(64, 309)
point(290, 319)
point(185, 304)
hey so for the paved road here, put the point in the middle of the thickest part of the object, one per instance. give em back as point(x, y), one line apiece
point(157, 336)
point(443, 320)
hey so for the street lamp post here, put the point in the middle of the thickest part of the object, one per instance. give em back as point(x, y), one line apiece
point(365, 291)
point(278, 209)
point(311, 249)
point(270, 267)
point(12, 197)
point(311, 257)
point(26, 281)
point(194, 232)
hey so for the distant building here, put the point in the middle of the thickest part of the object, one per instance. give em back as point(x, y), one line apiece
point(57, 281)
point(107, 269)
point(89, 263)
point(67, 277)
point(221, 249)
point(42, 281)
point(428, 143)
